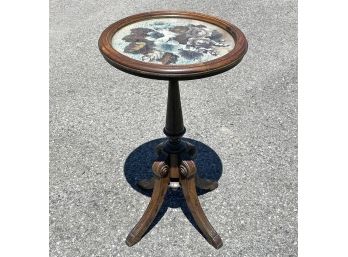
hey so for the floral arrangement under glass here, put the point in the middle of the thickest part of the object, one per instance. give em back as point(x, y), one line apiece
point(172, 41)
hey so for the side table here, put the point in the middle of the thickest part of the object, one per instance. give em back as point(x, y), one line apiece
point(173, 46)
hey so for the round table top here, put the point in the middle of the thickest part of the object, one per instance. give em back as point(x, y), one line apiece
point(173, 45)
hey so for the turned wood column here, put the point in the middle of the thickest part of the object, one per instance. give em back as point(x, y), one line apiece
point(174, 128)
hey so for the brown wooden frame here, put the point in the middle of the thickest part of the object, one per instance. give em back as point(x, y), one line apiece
point(178, 72)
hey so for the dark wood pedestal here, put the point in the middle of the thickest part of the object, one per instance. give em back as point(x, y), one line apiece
point(176, 168)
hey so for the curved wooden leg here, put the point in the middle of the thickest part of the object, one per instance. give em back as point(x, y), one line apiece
point(187, 180)
point(161, 178)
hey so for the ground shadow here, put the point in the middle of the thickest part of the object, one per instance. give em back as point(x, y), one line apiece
point(139, 162)
point(138, 166)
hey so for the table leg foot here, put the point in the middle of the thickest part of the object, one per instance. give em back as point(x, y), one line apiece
point(187, 180)
point(161, 181)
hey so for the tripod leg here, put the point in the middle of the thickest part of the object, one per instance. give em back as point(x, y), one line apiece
point(187, 180)
point(160, 170)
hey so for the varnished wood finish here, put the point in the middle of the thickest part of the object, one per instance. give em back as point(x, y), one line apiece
point(173, 166)
point(175, 154)
point(177, 72)
point(178, 165)
point(174, 120)
point(187, 181)
point(161, 181)
point(186, 172)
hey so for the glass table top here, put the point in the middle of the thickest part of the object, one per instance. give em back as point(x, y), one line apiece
point(169, 41)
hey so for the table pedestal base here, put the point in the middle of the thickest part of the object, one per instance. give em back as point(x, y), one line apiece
point(175, 168)
point(201, 183)
point(186, 174)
